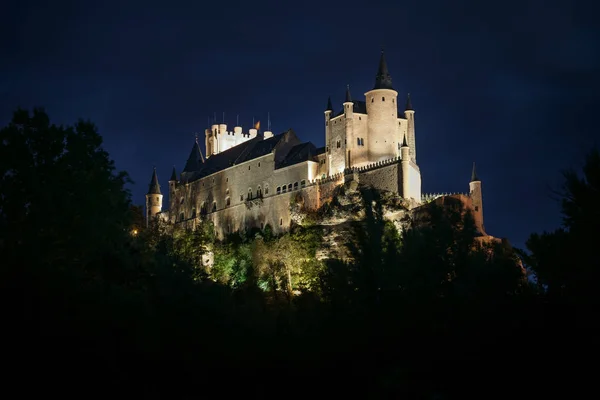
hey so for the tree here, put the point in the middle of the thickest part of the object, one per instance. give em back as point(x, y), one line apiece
point(564, 261)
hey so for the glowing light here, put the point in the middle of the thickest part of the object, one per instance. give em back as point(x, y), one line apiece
point(134, 232)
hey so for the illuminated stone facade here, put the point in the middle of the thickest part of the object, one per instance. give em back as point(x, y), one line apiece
point(249, 179)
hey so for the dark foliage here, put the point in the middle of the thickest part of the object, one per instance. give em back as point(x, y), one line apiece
point(94, 304)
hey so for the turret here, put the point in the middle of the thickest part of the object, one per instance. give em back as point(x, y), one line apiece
point(409, 114)
point(405, 163)
point(328, 114)
point(382, 108)
point(153, 198)
point(477, 200)
point(172, 187)
point(349, 126)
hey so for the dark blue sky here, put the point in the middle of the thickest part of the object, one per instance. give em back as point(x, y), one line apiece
point(511, 85)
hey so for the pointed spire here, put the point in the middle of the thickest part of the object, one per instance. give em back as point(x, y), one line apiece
point(474, 177)
point(404, 144)
point(383, 80)
point(348, 97)
point(154, 187)
point(195, 160)
point(173, 175)
point(408, 103)
point(329, 105)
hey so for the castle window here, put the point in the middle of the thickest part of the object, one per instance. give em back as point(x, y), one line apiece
point(266, 189)
point(194, 212)
point(383, 99)
point(359, 118)
point(339, 144)
point(249, 193)
point(203, 208)
point(476, 208)
point(283, 189)
point(214, 206)
point(278, 189)
point(393, 101)
point(302, 183)
point(227, 180)
point(258, 192)
point(242, 197)
point(295, 185)
point(181, 217)
point(290, 187)
point(372, 98)
point(327, 149)
point(248, 168)
point(227, 192)
point(259, 165)
point(358, 141)
point(227, 201)
point(156, 198)
point(281, 221)
point(182, 200)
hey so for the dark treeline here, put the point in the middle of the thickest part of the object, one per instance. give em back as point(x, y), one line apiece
point(91, 309)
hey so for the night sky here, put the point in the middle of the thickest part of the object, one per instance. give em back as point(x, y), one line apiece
point(510, 85)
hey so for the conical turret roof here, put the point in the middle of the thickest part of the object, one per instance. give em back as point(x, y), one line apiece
point(195, 160)
point(329, 105)
point(154, 186)
point(474, 177)
point(409, 106)
point(348, 96)
point(173, 175)
point(383, 80)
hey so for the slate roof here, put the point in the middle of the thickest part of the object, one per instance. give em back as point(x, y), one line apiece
point(321, 150)
point(154, 187)
point(299, 153)
point(195, 159)
point(246, 151)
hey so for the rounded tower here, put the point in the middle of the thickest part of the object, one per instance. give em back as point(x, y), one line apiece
point(153, 198)
point(405, 163)
point(476, 199)
point(409, 114)
point(348, 127)
point(328, 113)
point(382, 109)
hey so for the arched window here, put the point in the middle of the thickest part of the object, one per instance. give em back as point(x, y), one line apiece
point(358, 141)
point(181, 217)
point(267, 189)
point(290, 187)
point(283, 189)
point(258, 192)
point(302, 183)
point(280, 221)
point(383, 99)
point(249, 193)
point(203, 208)
point(193, 212)
point(214, 206)
point(278, 189)
point(228, 201)
point(295, 185)
point(338, 144)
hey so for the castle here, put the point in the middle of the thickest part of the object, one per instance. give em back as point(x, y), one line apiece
point(249, 179)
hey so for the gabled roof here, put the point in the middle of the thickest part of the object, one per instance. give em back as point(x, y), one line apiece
point(246, 151)
point(299, 153)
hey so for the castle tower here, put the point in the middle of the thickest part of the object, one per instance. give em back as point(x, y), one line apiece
point(382, 125)
point(409, 114)
point(153, 198)
point(405, 163)
point(172, 187)
point(476, 199)
point(349, 127)
point(328, 112)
